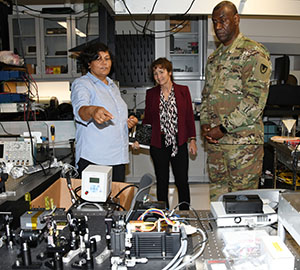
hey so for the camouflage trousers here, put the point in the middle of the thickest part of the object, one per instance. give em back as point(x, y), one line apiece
point(233, 167)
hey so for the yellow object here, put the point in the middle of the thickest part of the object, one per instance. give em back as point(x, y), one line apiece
point(47, 203)
point(287, 177)
point(56, 70)
point(34, 220)
point(52, 130)
point(28, 199)
point(51, 203)
point(277, 246)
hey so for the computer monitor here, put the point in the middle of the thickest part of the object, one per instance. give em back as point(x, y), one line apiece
point(282, 69)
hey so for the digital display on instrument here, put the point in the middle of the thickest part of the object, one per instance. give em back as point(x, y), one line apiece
point(1, 150)
point(94, 180)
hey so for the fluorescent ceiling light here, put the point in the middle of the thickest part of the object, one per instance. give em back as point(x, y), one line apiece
point(77, 31)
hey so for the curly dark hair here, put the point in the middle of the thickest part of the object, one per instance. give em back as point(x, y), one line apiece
point(90, 53)
point(164, 63)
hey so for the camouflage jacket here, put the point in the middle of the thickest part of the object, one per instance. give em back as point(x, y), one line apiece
point(236, 90)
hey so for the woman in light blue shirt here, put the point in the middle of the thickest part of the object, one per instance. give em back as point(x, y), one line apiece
point(101, 114)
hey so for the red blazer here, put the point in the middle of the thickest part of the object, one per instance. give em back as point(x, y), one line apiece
point(186, 123)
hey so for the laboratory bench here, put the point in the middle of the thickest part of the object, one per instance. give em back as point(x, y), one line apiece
point(213, 252)
point(34, 184)
point(286, 156)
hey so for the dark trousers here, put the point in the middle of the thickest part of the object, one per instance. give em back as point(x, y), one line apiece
point(161, 158)
point(118, 171)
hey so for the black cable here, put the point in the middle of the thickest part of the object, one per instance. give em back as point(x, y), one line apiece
point(39, 11)
point(148, 17)
point(48, 18)
point(157, 31)
point(76, 191)
point(116, 204)
point(87, 24)
point(20, 31)
point(196, 215)
point(32, 153)
point(35, 10)
point(10, 134)
point(65, 156)
point(111, 200)
point(133, 21)
point(124, 188)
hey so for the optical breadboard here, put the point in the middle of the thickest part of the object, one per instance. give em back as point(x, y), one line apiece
point(96, 183)
point(16, 153)
point(223, 219)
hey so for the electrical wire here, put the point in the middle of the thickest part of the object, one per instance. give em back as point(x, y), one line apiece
point(110, 202)
point(124, 188)
point(20, 30)
point(158, 212)
point(39, 11)
point(87, 24)
point(10, 134)
point(181, 252)
point(32, 153)
point(196, 255)
point(195, 213)
point(148, 17)
point(156, 31)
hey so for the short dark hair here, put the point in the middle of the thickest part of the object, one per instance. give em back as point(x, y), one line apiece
point(90, 53)
point(228, 4)
point(163, 62)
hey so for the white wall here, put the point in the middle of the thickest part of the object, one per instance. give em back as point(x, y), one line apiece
point(247, 7)
point(279, 35)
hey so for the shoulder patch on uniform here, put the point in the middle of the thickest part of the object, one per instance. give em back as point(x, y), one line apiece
point(263, 69)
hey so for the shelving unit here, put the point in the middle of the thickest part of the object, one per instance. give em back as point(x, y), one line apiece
point(187, 48)
point(24, 41)
point(78, 25)
point(51, 37)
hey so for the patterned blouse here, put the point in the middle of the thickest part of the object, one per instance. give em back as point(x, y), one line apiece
point(168, 120)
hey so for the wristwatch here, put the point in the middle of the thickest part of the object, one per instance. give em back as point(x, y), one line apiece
point(223, 129)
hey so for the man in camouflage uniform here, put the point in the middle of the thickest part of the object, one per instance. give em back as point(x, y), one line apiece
point(233, 99)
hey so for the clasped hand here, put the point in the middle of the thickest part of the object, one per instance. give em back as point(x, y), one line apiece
point(212, 135)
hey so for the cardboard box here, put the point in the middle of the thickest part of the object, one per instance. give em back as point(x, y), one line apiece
point(10, 87)
point(59, 192)
point(183, 26)
point(30, 68)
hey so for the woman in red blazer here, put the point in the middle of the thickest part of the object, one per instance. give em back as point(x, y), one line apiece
point(169, 111)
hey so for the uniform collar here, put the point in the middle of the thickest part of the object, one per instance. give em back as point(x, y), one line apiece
point(221, 49)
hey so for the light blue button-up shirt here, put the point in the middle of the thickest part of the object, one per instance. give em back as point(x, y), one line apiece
point(107, 143)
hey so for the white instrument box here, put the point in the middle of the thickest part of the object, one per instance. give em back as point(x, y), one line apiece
point(96, 183)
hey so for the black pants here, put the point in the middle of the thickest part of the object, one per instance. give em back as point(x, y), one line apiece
point(161, 158)
point(118, 173)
